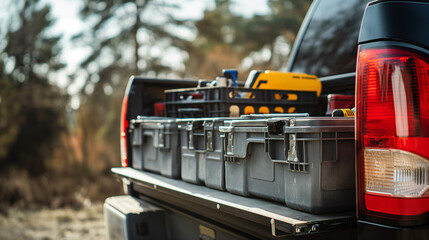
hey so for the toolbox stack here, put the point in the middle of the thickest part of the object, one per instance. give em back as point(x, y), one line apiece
point(304, 162)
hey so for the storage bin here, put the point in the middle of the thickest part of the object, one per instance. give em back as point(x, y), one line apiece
point(202, 151)
point(305, 162)
point(155, 145)
point(233, 102)
point(320, 174)
point(249, 170)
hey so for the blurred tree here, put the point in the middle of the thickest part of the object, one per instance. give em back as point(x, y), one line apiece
point(32, 115)
point(217, 44)
point(224, 39)
point(126, 37)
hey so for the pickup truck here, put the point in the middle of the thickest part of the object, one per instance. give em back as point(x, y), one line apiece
point(378, 51)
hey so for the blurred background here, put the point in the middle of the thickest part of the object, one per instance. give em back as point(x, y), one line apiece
point(64, 66)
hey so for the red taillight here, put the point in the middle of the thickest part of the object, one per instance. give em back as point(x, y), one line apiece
point(392, 133)
point(124, 127)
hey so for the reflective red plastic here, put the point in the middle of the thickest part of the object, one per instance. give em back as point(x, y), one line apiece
point(396, 206)
point(392, 100)
point(123, 134)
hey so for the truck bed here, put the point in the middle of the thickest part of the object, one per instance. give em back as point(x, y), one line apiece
point(252, 217)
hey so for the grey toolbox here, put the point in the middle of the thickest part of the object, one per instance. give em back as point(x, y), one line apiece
point(249, 170)
point(202, 151)
point(308, 163)
point(131, 218)
point(155, 145)
point(318, 155)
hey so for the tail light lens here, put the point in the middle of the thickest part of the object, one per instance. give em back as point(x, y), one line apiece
point(124, 127)
point(393, 135)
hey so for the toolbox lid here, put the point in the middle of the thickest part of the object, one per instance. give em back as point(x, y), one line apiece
point(155, 122)
point(274, 115)
point(200, 123)
point(185, 120)
point(244, 125)
point(320, 124)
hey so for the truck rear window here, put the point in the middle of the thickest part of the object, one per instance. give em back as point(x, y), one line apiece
point(329, 45)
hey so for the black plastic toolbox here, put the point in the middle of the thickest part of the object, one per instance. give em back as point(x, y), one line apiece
point(233, 102)
point(202, 151)
point(308, 163)
point(155, 145)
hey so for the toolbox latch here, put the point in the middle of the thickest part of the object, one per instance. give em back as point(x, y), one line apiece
point(208, 128)
point(161, 138)
point(209, 141)
point(190, 140)
point(292, 155)
point(230, 144)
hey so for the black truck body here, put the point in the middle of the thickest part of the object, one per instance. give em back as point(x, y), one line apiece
point(326, 46)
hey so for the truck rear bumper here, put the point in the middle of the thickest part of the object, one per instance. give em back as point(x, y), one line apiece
point(368, 231)
point(130, 218)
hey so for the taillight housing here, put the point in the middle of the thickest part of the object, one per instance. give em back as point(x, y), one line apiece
point(124, 132)
point(392, 133)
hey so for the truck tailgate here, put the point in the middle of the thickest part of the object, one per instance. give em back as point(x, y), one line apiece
point(254, 217)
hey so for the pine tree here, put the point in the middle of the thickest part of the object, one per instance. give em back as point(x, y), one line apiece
point(31, 109)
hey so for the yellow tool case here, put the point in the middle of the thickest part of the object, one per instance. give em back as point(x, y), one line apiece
point(283, 81)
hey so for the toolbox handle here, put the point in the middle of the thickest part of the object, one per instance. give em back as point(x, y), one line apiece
point(148, 133)
point(196, 135)
point(137, 136)
point(229, 146)
point(270, 148)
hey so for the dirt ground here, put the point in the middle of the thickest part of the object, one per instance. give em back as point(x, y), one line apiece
point(51, 224)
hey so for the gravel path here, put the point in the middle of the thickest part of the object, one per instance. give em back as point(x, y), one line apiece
point(52, 224)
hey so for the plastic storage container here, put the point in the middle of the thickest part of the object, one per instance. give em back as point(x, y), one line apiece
point(155, 145)
point(321, 169)
point(249, 170)
point(308, 163)
point(318, 155)
point(202, 151)
point(233, 102)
